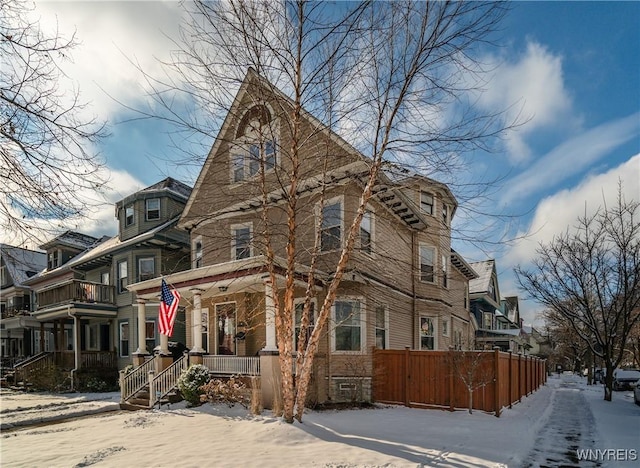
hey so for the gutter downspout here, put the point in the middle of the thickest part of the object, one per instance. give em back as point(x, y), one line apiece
point(76, 346)
point(414, 271)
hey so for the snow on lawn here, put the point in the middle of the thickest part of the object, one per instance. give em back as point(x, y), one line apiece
point(219, 436)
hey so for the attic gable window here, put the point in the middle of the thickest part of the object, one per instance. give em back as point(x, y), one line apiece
point(152, 209)
point(245, 162)
point(53, 260)
point(129, 218)
point(366, 232)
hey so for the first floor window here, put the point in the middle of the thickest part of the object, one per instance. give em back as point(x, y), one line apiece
point(445, 327)
point(331, 231)
point(457, 339)
point(427, 257)
point(381, 327)
point(150, 334)
point(427, 334)
point(348, 325)
point(299, 309)
point(104, 278)
point(124, 339)
point(241, 242)
point(91, 336)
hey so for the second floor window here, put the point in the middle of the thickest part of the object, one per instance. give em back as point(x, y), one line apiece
point(487, 320)
point(122, 276)
point(197, 253)
point(146, 268)
point(241, 242)
point(331, 235)
point(366, 232)
point(427, 260)
point(104, 278)
point(445, 272)
point(129, 218)
point(152, 209)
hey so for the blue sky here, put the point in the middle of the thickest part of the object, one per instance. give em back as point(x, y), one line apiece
point(573, 68)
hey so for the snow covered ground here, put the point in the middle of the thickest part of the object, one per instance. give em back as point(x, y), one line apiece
point(218, 436)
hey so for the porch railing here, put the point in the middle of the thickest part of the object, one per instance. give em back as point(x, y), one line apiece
point(160, 385)
point(136, 380)
point(232, 365)
point(77, 291)
point(36, 363)
point(92, 359)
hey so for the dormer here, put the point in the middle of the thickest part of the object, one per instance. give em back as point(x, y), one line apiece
point(151, 207)
point(64, 247)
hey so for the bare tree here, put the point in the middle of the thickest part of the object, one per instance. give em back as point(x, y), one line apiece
point(392, 77)
point(591, 277)
point(49, 170)
point(473, 368)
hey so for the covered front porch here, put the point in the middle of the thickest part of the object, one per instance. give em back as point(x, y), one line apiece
point(229, 313)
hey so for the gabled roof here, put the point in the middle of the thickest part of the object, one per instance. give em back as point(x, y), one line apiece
point(73, 239)
point(22, 263)
point(484, 270)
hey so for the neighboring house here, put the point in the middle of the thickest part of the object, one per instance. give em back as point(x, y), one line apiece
point(83, 296)
point(17, 337)
point(404, 286)
point(499, 320)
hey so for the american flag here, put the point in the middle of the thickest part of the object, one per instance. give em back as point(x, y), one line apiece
point(168, 309)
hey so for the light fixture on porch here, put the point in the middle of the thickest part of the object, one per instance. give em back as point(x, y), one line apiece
point(222, 288)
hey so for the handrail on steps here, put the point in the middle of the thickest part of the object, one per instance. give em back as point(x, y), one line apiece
point(134, 381)
point(160, 385)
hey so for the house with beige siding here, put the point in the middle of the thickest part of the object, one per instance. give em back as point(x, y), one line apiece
point(404, 285)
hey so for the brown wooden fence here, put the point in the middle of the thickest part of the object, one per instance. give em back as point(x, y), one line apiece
point(441, 379)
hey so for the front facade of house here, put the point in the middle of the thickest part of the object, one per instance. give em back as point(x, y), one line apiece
point(18, 337)
point(82, 295)
point(404, 286)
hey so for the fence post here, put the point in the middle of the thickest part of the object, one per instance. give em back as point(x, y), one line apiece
point(496, 370)
point(407, 381)
point(519, 377)
point(451, 387)
point(152, 389)
point(510, 380)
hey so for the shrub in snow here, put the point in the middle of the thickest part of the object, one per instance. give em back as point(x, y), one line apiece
point(230, 391)
point(191, 381)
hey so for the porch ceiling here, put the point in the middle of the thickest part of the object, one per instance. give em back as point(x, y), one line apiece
point(75, 309)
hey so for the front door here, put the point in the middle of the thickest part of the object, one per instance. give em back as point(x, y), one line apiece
point(226, 326)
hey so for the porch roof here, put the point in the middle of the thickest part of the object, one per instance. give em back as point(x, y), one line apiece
point(246, 275)
point(77, 309)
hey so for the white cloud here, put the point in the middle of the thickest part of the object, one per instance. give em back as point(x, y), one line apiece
point(572, 157)
point(559, 212)
point(532, 88)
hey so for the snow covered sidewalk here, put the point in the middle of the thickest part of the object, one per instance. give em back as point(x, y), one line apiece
point(218, 436)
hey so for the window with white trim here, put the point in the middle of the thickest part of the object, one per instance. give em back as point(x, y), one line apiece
point(445, 271)
point(91, 336)
point(427, 333)
point(445, 327)
point(197, 252)
point(146, 268)
point(123, 338)
point(331, 230)
point(445, 214)
point(427, 263)
point(241, 235)
point(152, 209)
point(487, 320)
point(129, 217)
point(426, 202)
point(123, 275)
point(348, 334)
point(247, 158)
point(382, 327)
point(298, 310)
point(366, 232)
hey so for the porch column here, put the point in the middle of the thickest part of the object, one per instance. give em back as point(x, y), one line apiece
point(76, 342)
point(141, 352)
point(197, 349)
point(270, 312)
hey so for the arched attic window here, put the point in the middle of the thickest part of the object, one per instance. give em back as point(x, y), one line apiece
point(255, 144)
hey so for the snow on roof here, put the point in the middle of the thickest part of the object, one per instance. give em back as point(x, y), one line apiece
point(484, 270)
point(169, 185)
point(71, 239)
point(22, 263)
